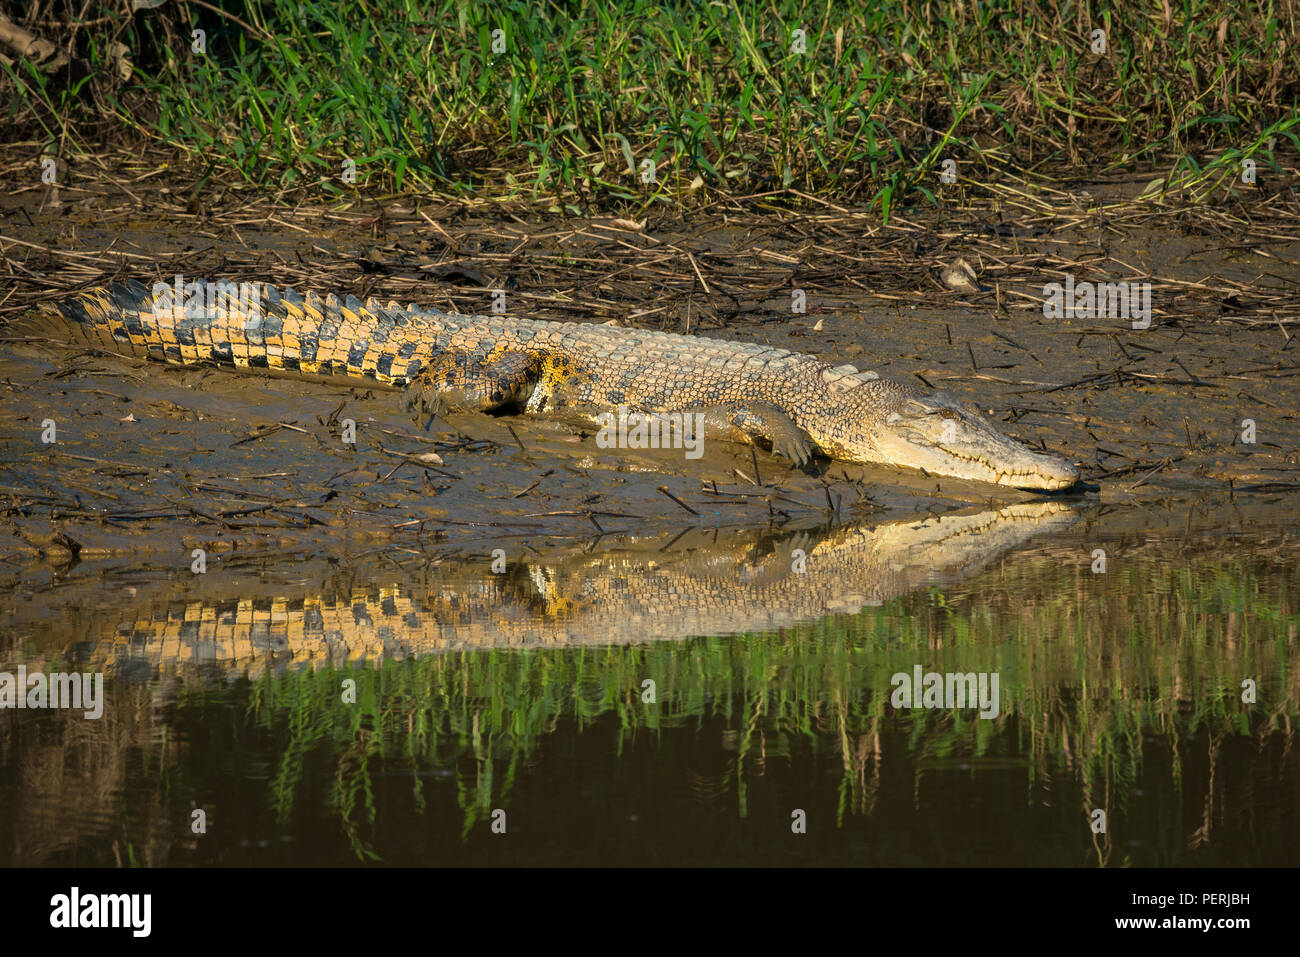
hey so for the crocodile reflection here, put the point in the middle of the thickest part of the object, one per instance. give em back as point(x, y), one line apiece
point(752, 583)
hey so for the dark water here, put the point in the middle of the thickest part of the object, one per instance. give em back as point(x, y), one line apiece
point(520, 696)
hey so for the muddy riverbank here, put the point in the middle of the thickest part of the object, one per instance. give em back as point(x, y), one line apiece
point(1204, 399)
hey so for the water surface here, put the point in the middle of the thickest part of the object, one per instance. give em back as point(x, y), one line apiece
point(523, 695)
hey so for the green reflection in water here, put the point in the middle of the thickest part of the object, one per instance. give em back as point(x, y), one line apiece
point(1120, 692)
point(1090, 668)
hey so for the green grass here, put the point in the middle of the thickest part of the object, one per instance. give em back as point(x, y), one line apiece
point(581, 96)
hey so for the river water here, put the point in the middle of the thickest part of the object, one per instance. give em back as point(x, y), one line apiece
point(721, 696)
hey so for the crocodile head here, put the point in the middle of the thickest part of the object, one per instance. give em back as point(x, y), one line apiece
point(906, 427)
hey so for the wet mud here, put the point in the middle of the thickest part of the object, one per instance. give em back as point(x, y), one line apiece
point(150, 459)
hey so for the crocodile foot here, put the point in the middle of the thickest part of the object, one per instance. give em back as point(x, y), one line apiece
point(767, 423)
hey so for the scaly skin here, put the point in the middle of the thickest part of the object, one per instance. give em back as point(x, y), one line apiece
point(577, 370)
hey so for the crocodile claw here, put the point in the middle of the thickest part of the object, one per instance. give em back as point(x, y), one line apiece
point(792, 447)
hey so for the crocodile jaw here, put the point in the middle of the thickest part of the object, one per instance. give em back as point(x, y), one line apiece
point(937, 435)
point(1013, 466)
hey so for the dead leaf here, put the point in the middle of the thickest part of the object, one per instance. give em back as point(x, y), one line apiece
point(961, 276)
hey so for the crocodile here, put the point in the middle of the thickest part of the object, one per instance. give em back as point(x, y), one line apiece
point(796, 404)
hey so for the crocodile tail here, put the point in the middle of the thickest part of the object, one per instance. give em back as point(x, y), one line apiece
point(249, 326)
point(89, 317)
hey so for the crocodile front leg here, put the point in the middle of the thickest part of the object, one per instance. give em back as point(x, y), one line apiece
point(762, 421)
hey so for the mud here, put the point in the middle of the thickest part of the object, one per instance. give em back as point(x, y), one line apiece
point(155, 460)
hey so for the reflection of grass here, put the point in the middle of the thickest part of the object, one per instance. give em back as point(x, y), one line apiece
point(1088, 666)
point(720, 97)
